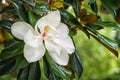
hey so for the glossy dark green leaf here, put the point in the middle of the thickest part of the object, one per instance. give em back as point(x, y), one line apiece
point(115, 52)
point(34, 71)
point(60, 71)
point(76, 64)
point(41, 8)
point(94, 7)
point(30, 2)
point(12, 50)
point(31, 72)
point(67, 3)
point(53, 76)
point(95, 27)
point(85, 31)
point(76, 7)
point(7, 9)
point(47, 70)
point(107, 41)
point(20, 9)
point(108, 24)
point(108, 7)
point(117, 38)
point(21, 62)
point(32, 18)
point(6, 24)
point(68, 17)
point(72, 32)
point(103, 38)
point(115, 3)
point(7, 66)
point(46, 67)
point(8, 42)
point(23, 74)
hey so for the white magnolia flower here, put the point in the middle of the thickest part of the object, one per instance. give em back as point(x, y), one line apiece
point(49, 32)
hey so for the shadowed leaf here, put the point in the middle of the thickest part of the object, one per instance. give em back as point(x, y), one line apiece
point(20, 9)
point(31, 72)
point(7, 66)
point(76, 64)
point(108, 7)
point(12, 50)
point(6, 24)
point(21, 62)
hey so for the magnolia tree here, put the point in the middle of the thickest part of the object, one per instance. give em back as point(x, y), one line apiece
point(38, 32)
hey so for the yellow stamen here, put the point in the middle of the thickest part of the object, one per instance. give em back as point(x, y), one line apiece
point(46, 29)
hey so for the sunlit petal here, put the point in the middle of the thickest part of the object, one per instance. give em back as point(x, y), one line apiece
point(65, 42)
point(19, 29)
point(33, 54)
point(52, 20)
point(58, 54)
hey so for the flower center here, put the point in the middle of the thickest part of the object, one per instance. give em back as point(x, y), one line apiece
point(46, 29)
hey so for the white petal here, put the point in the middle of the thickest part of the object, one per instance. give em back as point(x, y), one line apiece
point(33, 54)
point(53, 48)
point(63, 28)
point(52, 20)
point(59, 55)
point(32, 39)
point(65, 42)
point(19, 29)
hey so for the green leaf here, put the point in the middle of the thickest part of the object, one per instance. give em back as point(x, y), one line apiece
point(95, 27)
point(108, 7)
point(68, 17)
point(7, 66)
point(30, 2)
point(6, 24)
point(47, 70)
point(21, 62)
point(107, 41)
point(8, 42)
point(85, 31)
point(23, 74)
point(76, 64)
point(7, 9)
point(67, 3)
point(108, 24)
point(31, 72)
point(76, 7)
point(53, 76)
point(41, 8)
point(48, 73)
point(20, 9)
point(12, 50)
point(34, 71)
point(60, 71)
point(94, 7)
point(91, 1)
point(117, 38)
point(108, 44)
point(103, 38)
point(32, 18)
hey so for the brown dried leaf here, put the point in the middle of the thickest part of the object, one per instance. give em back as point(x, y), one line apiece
point(91, 18)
